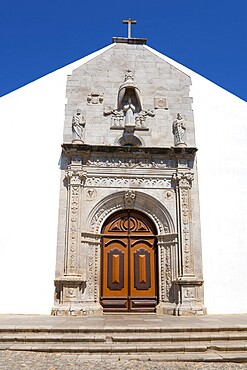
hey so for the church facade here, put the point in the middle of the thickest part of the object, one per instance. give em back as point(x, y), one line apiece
point(129, 223)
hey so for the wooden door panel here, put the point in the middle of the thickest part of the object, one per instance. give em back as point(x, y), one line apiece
point(142, 278)
point(115, 265)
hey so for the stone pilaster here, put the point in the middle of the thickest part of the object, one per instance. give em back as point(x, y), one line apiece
point(166, 245)
point(71, 286)
point(188, 285)
point(75, 178)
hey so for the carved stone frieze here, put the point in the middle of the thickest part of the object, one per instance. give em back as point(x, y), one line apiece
point(130, 163)
point(119, 182)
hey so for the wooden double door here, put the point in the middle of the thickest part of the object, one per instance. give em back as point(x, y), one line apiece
point(128, 267)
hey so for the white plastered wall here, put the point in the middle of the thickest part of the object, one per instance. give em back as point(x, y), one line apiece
point(220, 125)
point(32, 120)
point(31, 131)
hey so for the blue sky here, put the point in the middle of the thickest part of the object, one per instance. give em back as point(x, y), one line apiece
point(207, 36)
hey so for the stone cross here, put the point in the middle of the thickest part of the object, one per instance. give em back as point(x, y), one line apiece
point(129, 22)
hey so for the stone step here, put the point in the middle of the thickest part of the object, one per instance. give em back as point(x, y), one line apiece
point(124, 348)
point(75, 337)
point(51, 338)
point(191, 337)
point(123, 329)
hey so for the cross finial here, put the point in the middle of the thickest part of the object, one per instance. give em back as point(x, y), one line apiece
point(129, 22)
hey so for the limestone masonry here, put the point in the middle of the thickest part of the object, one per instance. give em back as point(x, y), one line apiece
point(129, 145)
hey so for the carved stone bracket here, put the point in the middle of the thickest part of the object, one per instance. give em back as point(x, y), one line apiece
point(118, 120)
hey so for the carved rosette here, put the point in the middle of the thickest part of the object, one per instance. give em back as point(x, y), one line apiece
point(183, 185)
point(76, 179)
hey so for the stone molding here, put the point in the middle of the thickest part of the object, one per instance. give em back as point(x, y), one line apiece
point(143, 202)
point(128, 182)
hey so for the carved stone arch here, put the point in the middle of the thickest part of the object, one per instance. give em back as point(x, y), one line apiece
point(143, 202)
point(129, 139)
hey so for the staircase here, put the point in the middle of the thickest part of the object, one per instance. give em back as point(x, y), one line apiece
point(166, 343)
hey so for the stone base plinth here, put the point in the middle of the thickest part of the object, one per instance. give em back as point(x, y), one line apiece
point(82, 309)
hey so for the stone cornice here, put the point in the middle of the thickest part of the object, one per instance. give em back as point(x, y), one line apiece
point(125, 40)
point(72, 149)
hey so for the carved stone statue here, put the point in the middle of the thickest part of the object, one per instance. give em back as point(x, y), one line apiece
point(179, 131)
point(129, 110)
point(78, 124)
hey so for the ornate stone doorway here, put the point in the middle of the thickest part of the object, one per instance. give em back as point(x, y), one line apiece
point(129, 263)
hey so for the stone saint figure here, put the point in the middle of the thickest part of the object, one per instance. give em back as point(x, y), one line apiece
point(179, 130)
point(129, 110)
point(78, 124)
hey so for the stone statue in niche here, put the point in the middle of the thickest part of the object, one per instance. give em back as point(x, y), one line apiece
point(179, 131)
point(78, 124)
point(129, 100)
point(129, 110)
point(129, 114)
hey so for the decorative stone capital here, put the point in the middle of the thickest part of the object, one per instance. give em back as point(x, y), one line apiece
point(76, 177)
point(183, 179)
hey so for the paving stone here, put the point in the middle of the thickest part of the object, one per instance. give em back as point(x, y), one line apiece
point(11, 360)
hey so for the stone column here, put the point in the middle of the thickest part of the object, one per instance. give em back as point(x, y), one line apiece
point(188, 300)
